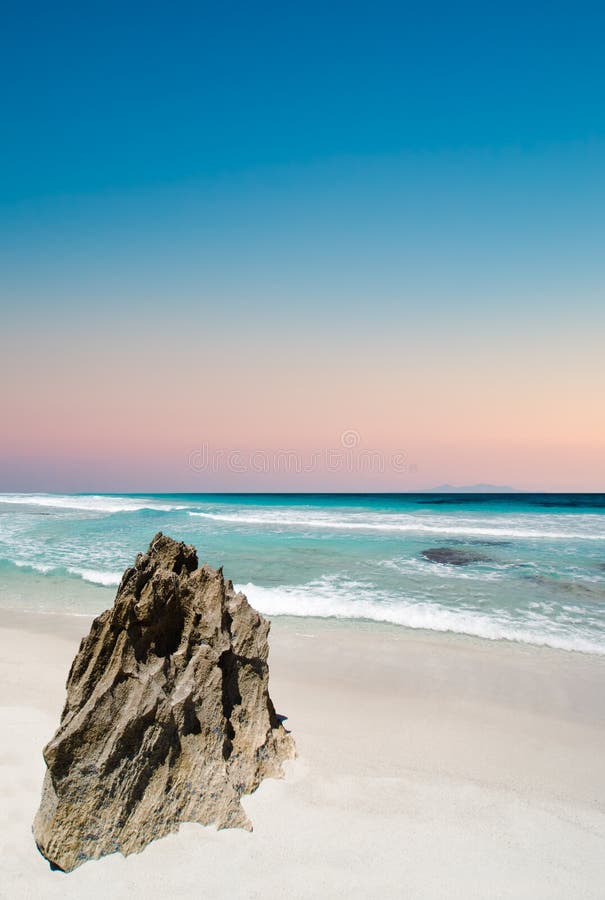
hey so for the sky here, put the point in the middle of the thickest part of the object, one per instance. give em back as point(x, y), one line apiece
point(336, 246)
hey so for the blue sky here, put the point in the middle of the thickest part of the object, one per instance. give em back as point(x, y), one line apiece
point(351, 181)
point(102, 96)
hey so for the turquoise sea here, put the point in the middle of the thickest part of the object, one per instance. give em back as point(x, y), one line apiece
point(521, 567)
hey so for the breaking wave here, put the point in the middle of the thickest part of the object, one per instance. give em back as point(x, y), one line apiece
point(94, 576)
point(510, 528)
point(107, 579)
point(325, 599)
point(88, 502)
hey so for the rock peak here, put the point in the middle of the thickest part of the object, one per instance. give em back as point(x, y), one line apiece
point(168, 717)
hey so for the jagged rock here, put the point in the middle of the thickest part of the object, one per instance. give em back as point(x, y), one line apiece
point(168, 717)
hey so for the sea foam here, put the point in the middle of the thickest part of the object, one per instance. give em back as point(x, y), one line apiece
point(95, 576)
point(511, 528)
point(88, 502)
point(325, 599)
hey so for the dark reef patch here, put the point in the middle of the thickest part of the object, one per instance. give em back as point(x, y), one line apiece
point(453, 556)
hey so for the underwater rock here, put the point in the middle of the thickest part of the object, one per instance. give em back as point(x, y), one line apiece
point(453, 556)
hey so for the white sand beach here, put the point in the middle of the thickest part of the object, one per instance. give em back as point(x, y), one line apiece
point(429, 766)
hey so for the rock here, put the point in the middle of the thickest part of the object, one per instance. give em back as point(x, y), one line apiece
point(453, 556)
point(168, 717)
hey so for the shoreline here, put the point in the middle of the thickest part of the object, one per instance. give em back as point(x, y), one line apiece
point(420, 755)
point(34, 618)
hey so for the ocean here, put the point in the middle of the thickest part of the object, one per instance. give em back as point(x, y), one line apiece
point(515, 567)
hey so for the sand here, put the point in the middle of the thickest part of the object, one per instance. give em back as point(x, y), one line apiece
point(430, 766)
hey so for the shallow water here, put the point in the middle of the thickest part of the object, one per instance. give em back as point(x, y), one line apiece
point(524, 567)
